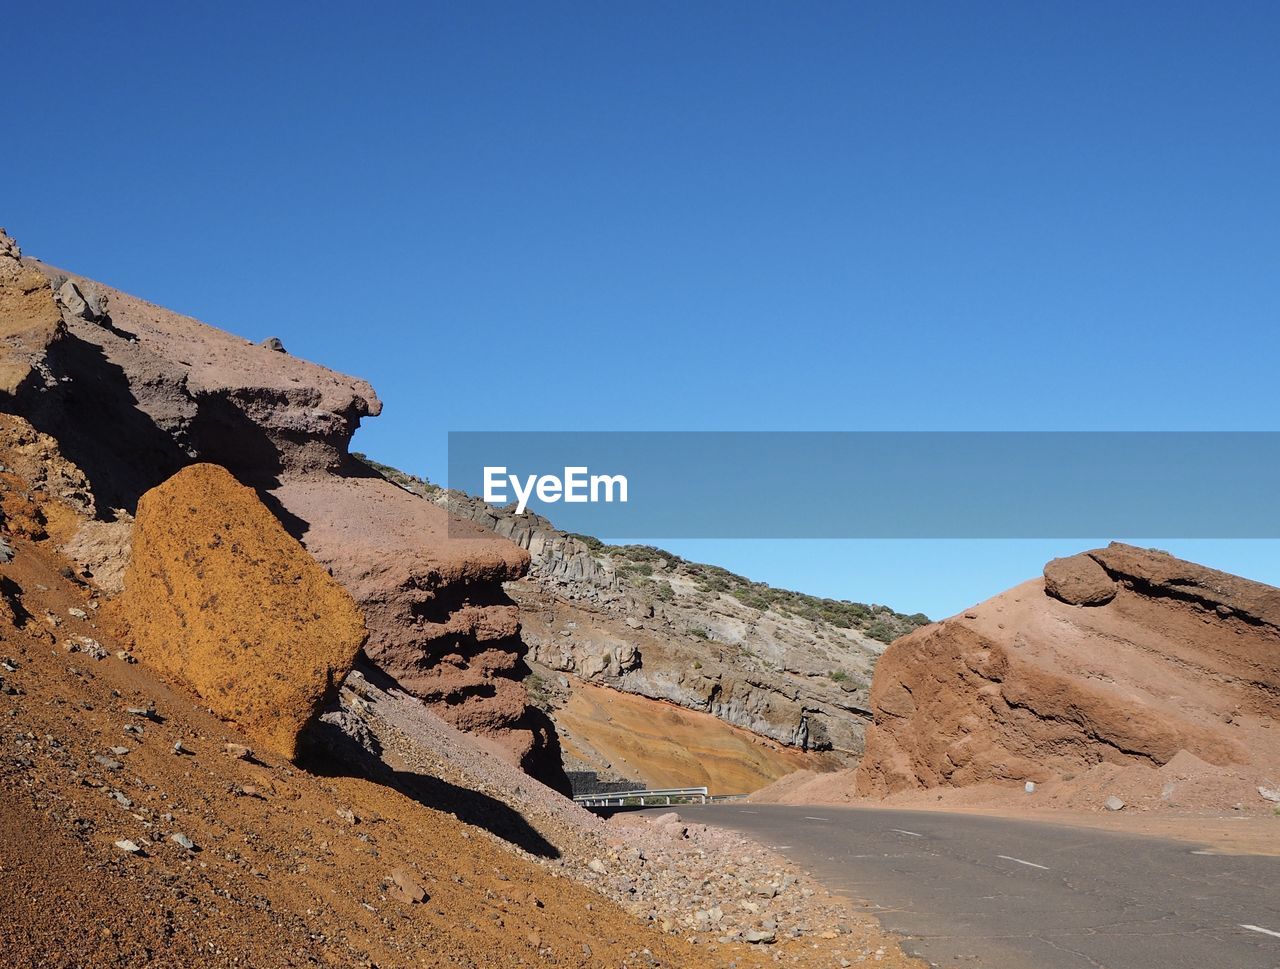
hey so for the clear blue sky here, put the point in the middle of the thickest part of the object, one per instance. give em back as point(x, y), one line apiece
point(685, 215)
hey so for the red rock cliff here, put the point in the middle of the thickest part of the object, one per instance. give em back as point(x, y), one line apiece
point(132, 393)
point(1120, 655)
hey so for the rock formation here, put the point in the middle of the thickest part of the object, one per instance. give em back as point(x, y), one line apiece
point(790, 668)
point(1120, 656)
point(131, 393)
point(440, 622)
point(220, 597)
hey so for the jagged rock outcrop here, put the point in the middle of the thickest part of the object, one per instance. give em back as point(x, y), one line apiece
point(132, 393)
point(220, 597)
point(1147, 656)
point(29, 320)
point(440, 621)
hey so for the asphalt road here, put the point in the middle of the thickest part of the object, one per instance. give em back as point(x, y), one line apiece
point(966, 891)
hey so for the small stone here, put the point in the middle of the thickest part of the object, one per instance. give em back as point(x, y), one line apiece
point(77, 613)
point(596, 865)
point(1269, 794)
point(129, 846)
point(120, 799)
point(347, 815)
point(118, 751)
point(273, 343)
point(179, 748)
point(238, 751)
point(108, 763)
point(133, 728)
point(9, 665)
point(405, 888)
point(183, 841)
point(125, 656)
point(149, 711)
point(1029, 787)
point(759, 936)
point(1113, 803)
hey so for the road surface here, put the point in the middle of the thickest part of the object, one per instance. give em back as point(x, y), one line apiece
point(968, 891)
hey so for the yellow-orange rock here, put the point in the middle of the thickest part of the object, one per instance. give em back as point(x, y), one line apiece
point(220, 596)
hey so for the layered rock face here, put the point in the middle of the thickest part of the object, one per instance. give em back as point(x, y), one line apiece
point(219, 596)
point(132, 393)
point(1118, 656)
point(440, 621)
point(645, 622)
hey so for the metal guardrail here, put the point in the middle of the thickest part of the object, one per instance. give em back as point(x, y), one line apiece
point(652, 796)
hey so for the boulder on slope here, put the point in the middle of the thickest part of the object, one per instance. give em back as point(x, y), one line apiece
point(1079, 580)
point(219, 596)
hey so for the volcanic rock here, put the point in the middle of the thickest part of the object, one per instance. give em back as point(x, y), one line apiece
point(439, 620)
point(1026, 686)
point(133, 400)
point(219, 596)
point(1079, 581)
point(29, 320)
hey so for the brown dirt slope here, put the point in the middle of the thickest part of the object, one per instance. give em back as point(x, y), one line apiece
point(1026, 686)
point(221, 597)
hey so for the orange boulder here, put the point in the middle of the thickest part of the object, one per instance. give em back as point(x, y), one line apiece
point(220, 596)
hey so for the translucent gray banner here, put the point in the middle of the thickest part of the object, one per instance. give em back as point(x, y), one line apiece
point(881, 484)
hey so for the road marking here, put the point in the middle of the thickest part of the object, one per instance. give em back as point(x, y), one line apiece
point(807, 818)
point(1259, 928)
point(1029, 864)
point(740, 811)
point(912, 833)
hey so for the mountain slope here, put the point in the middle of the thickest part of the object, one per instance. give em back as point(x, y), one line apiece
point(792, 668)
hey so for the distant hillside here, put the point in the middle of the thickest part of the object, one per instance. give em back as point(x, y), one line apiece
point(646, 569)
point(788, 666)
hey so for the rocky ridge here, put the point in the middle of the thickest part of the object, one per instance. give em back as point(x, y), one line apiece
point(131, 393)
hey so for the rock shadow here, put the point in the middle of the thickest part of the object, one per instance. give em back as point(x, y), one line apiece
point(329, 751)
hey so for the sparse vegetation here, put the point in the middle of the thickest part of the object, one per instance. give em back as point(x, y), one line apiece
point(879, 622)
point(838, 676)
point(409, 482)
